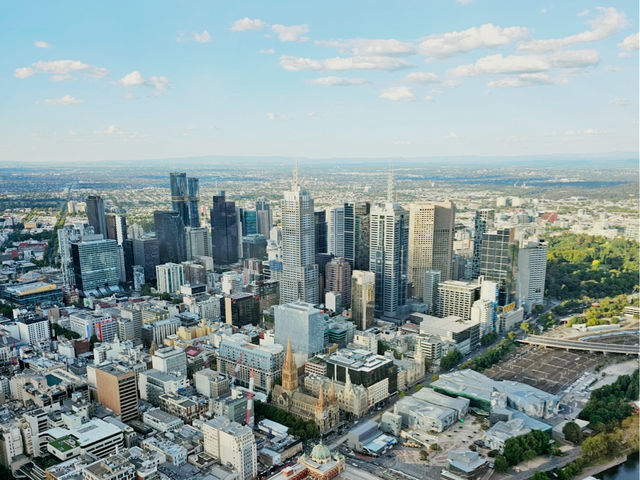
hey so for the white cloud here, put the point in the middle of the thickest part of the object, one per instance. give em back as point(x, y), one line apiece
point(526, 80)
point(403, 94)
point(343, 63)
point(59, 70)
point(575, 59)
point(450, 135)
point(277, 116)
point(292, 33)
point(247, 23)
point(609, 22)
point(402, 142)
point(41, 44)
point(65, 100)
point(268, 51)
point(629, 43)
point(338, 81)
point(133, 79)
point(136, 79)
point(543, 10)
point(499, 64)
point(422, 77)
point(113, 130)
point(203, 37)
point(464, 2)
point(452, 43)
point(429, 98)
point(364, 46)
point(586, 131)
point(584, 12)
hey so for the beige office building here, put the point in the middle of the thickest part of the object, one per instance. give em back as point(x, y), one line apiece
point(363, 290)
point(431, 232)
point(118, 390)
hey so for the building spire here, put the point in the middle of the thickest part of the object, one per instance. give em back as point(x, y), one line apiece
point(390, 184)
point(296, 176)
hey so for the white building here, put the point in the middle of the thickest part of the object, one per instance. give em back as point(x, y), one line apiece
point(170, 277)
point(33, 329)
point(335, 231)
point(170, 360)
point(363, 290)
point(231, 444)
point(532, 269)
point(299, 270)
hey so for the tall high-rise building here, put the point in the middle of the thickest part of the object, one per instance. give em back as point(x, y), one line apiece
point(456, 298)
point(431, 232)
point(185, 198)
point(146, 253)
point(356, 234)
point(482, 222)
point(116, 227)
point(233, 444)
point(299, 271)
point(363, 291)
point(430, 290)
point(95, 264)
point(388, 254)
point(498, 261)
point(96, 215)
point(170, 277)
point(193, 185)
point(170, 234)
point(301, 324)
point(198, 242)
point(249, 220)
point(224, 230)
point(265, 221)
point(118, 390)
point(338, 279)
point(320, 219)
point(335, 230)
point(532, 269)
point(66, 236)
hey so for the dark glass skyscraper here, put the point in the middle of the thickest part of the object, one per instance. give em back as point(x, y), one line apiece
point(356, 215)
point(224, 230)
point(320, 218)
point(265, 222)
point(483, 222)
point(170, 234)
point(96, 215)
point(249, 222)
point(498, 261)
point(185, 198)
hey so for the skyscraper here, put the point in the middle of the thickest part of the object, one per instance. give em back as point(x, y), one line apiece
point(532, 269)
point(498, 261)
point(265, 222)
point(249, 222)
point(198, 242)
point(338, 279)
point(116, 227)
point(95, 264)
point(170, 234)
point(224, 230)
point(146, 253)
point(430, 290)
point(356, 234)
point(299, 271)
point(335, 230)
point(320, 218)
point(362, 298)
point(431, 232)
point(483, 222)
point(388, 254)
point(301, 326)
point(185, 198)
point(66, 236)
point(96, 215)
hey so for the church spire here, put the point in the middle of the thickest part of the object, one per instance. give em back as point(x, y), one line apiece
point(320, 404)
point(332, 392)
point(289, 370)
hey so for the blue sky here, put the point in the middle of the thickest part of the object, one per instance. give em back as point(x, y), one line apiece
point(139, 80)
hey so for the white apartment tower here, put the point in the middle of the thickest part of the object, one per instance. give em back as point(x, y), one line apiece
point(170, 277)
point(431, 233)
point(335, 230)
point(388, 254)
point(299, 270)
point(532, 269)
point(363, 288)
point(231, 444)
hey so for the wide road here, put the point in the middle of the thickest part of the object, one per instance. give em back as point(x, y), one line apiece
point(578, 345)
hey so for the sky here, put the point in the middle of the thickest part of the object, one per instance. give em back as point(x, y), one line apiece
point(359, 78)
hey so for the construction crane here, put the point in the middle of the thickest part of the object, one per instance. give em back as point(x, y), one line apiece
point(250, 419)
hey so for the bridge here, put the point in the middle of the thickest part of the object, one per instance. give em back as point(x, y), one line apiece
point(578, 345)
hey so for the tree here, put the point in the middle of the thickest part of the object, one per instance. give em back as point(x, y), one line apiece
point(572, 433)
point(501, 465)
point(450, 360)
point(424, 455)
point(526, 327)
point(512, 335)
point(401, 394)
point(435, 447)
point(594, 447)
point(93, 340)
point(427, 364)
point(540, 476)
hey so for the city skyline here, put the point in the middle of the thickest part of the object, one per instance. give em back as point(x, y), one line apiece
point(471, 78)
